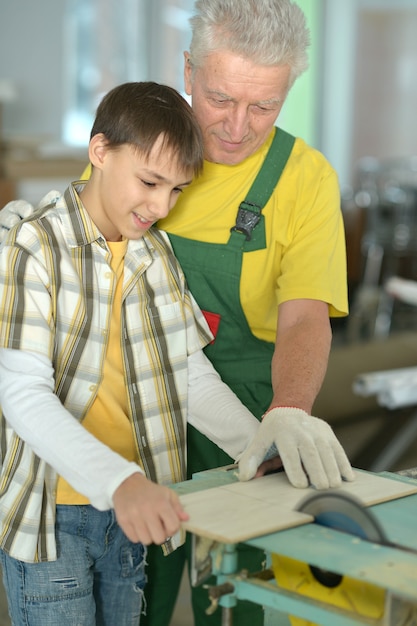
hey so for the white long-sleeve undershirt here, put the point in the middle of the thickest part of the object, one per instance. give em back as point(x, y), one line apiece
point(36, 414)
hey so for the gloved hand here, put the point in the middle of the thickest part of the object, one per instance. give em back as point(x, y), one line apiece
point(11, 215)
point(16, 210)
point(308, 447)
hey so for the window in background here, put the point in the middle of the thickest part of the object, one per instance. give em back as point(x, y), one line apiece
point(386, 69)
point(108, 42)
point(170, 23)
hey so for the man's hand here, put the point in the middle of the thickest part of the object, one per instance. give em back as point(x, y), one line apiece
point(147, 512)
point(308, 447)
point(12, 214)
point(16, 210)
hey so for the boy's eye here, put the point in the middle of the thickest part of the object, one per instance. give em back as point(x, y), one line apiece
point(148, 183)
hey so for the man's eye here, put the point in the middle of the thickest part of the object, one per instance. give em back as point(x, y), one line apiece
point(219, 101)
point(265, 109)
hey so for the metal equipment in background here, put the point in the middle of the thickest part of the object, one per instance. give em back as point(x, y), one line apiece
point(385, 193)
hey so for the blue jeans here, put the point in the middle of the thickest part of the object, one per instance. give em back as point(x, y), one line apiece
point(97, 580)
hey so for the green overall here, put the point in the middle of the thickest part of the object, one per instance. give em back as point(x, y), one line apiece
point(213, 273)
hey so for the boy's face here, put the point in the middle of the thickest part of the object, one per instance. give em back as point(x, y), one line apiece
point(128, 192)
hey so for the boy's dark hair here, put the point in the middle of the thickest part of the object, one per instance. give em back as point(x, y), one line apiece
point(138, 113)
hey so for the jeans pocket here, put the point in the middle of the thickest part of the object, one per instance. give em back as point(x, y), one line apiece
point(133, 560)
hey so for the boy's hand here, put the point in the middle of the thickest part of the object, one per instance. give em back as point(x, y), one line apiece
point(147, 512)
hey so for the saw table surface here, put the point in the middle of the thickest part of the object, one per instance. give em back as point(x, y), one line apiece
point(238, 511)
point(219, 509)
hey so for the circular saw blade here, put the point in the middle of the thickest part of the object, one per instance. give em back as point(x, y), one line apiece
point(341, 511)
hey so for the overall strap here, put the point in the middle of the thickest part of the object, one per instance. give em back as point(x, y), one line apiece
point(249, 212)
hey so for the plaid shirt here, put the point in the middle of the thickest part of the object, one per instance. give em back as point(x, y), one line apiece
point(56, 296)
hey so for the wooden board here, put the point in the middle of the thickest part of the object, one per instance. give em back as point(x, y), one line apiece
point(239, 511)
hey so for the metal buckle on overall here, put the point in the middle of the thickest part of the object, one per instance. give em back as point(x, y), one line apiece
point(247, 219)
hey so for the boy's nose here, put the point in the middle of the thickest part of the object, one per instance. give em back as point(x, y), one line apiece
point(161, 207)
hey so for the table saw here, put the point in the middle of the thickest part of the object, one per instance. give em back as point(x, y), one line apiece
point(344, 567)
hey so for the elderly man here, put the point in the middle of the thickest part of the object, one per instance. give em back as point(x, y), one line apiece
point(265, 263)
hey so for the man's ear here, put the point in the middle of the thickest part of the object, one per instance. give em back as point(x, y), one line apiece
point(187, 73)
point(97, 150)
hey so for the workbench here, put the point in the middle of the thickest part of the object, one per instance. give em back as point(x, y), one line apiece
point(393, 569)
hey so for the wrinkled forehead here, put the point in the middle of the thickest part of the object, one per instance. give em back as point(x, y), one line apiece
point(229, 74)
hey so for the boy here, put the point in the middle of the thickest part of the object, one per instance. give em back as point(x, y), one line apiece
point(101, 365)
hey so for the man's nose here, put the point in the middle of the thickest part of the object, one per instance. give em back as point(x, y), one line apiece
point(237, 122)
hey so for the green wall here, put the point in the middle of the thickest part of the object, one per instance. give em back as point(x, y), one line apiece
point(299, 115)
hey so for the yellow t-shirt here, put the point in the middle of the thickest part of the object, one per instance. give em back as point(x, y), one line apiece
point(107, 419)
point(305, 253)
point(305, 244)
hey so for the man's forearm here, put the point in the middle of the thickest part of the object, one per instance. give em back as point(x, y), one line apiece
point(299, 363)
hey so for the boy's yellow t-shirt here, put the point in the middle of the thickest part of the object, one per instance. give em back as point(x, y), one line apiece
point(108, 418)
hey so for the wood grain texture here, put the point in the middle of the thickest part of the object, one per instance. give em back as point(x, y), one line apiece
point(240, 511)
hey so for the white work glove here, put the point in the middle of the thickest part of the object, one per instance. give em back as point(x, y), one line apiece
point(12, 214)
point(308, 447)
point(16, 210)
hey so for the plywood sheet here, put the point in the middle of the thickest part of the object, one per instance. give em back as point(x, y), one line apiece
point(230, 517)
point(240, 511)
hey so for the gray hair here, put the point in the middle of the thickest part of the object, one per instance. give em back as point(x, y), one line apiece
point(268, 32)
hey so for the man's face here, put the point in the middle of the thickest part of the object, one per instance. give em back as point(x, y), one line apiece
point(128, 193)
point(236, 103)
